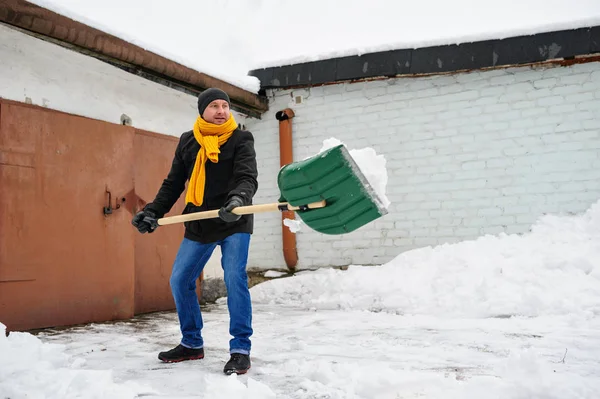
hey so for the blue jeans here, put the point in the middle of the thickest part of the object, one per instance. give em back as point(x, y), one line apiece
point(191, 259)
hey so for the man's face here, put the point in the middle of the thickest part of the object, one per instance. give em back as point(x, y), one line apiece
point(217, 112)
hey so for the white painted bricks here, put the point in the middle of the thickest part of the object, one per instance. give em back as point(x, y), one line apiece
point(48, 75)
point(467, 155)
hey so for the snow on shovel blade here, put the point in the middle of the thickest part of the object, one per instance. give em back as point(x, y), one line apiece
point(333, 176)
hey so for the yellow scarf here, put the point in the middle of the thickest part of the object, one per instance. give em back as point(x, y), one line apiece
point(210, 137)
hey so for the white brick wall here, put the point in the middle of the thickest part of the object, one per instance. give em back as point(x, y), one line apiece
point(48, 75)
point(467, 154)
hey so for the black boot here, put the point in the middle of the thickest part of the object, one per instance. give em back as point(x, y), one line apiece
point(238, 363)
point(181, 353)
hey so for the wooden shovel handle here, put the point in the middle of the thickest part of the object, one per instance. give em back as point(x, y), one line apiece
point(241, 210)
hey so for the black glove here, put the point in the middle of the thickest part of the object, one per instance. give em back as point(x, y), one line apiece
point(225, 212)
point(145, 221)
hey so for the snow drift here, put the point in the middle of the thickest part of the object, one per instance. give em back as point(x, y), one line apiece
point(552, 270)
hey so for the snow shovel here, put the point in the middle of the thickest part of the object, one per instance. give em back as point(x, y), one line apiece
point(328, 191)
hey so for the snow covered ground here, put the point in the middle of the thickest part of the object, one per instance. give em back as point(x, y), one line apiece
point(321, 354)
point(498, 317)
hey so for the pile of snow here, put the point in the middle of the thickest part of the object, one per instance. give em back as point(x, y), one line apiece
point(552, 270)
point(370, 164)
point(30, 368)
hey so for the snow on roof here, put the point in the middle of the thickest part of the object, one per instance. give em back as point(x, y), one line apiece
point(226, 39)
point(323, 29)
point(180, 30)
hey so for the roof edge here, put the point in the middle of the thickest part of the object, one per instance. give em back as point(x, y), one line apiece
point(487, 54)
point(48, 25)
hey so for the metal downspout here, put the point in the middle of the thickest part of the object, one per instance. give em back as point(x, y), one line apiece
point(290, 253)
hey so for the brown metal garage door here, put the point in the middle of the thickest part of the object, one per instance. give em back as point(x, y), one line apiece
point(154, 253)
point(62, 259)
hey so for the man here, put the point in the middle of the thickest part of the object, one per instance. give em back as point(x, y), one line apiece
point(219, 161)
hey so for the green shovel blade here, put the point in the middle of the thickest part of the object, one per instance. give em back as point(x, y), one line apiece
point(335, 177)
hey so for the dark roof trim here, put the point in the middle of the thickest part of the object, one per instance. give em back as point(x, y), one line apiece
point(434, 60)
point(50, 26)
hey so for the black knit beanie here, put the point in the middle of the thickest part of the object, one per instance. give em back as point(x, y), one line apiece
point(210, 95)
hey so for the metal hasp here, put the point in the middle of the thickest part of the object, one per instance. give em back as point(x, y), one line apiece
point(108, 210)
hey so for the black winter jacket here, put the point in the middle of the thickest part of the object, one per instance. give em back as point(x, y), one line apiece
point(234, 174)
